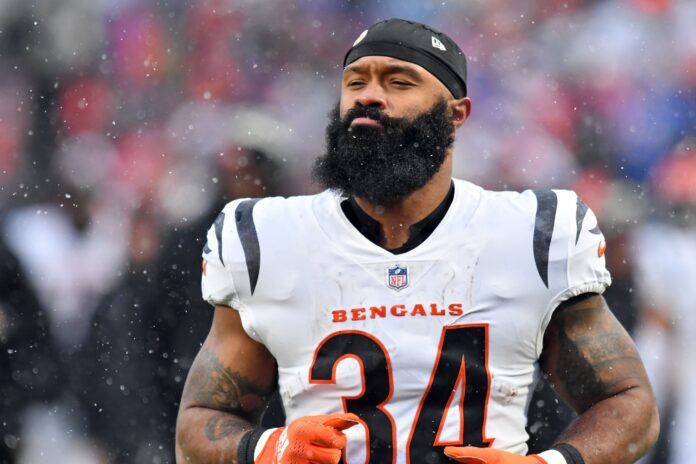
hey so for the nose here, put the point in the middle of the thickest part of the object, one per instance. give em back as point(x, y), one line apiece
point(371, 95)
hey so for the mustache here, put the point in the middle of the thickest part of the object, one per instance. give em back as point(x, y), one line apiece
point(371, 112)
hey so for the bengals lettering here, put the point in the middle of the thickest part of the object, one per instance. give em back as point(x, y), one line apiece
point(375, 312)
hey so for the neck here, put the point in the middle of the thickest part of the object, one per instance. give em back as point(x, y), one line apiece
point(395, 218)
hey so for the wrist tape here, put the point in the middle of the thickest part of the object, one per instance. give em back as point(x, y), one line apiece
point(570, 453)
point(562, 453)
point(247, 445)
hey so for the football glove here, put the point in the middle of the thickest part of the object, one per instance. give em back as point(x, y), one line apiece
point(309, 439)
point(474, 455)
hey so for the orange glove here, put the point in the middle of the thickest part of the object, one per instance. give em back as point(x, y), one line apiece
point(309, 439)
point(474, 455)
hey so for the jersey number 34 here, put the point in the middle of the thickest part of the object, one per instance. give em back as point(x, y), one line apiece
point(462, 360)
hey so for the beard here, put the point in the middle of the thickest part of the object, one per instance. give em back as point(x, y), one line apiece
point(383, 165)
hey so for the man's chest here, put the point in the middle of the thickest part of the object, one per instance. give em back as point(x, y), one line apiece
point(405, 345)
point(408, 311)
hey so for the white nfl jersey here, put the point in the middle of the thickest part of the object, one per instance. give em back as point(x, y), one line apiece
point(436, 346)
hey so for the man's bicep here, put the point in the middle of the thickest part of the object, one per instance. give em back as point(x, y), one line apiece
point(231, 373)
point(588, 355)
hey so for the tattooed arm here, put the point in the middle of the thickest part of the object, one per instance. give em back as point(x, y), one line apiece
point(225, 393)
point(594, 366)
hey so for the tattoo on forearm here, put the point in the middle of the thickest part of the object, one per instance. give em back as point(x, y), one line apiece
point(228, 391)
point(222, 425)
point(214, 386)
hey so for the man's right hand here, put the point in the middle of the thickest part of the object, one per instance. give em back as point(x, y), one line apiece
point(315, 439)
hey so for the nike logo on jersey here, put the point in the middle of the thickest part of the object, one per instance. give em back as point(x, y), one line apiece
point(399, 310)
point(601, 248)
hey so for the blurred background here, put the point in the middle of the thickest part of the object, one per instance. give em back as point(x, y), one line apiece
point(125, 126)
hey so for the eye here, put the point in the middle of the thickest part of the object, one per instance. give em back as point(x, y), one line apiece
point(400, 83)
point(355, 83)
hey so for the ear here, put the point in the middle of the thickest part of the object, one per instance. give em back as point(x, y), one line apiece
point(460, 110)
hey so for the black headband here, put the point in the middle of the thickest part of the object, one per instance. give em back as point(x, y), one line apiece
point(416, 43)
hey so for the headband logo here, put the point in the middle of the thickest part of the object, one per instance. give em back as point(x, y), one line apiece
point(437, 44)
point(360, 37)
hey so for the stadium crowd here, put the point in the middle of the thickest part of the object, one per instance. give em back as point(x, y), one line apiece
point(125, 126)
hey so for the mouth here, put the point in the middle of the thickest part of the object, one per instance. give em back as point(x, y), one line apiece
point(365, 122)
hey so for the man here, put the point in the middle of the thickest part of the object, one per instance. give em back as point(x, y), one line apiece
point(405, 315)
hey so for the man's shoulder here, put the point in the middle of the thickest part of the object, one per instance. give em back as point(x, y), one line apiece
point(524, 199)
point(276, 208)
point(526, 205)
point(544, 225)
point(250, 239)
point(273, 222)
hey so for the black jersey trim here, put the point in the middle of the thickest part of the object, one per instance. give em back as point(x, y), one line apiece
point(219, 223)
point(580, 212)
point(595, 231)
point(246, 229)
point(418, 232)
point(544, 223)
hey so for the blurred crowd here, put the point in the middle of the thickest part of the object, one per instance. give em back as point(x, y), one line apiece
point(125, 126)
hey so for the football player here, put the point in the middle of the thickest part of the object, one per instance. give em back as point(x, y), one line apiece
point(406, 316)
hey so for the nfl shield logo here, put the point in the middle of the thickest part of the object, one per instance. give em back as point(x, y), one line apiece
point(397, 277)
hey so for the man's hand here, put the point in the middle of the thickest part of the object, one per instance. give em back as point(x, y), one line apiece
point(473, 455)
point(315, 439)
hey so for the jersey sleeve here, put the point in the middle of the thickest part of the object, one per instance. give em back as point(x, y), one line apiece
point(230, 263)
point(578, 255)
point(217, 284)
point(586, 271)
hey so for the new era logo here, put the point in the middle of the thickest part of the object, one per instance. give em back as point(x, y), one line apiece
point(437, 44)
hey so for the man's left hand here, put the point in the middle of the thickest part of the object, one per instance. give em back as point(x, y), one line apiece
point(473, 455)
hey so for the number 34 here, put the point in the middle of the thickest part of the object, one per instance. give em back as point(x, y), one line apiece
point(462, 357)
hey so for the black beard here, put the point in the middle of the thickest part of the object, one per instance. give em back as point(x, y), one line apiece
point(385, 164)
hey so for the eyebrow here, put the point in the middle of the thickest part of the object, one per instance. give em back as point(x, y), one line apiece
point(390, 69)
